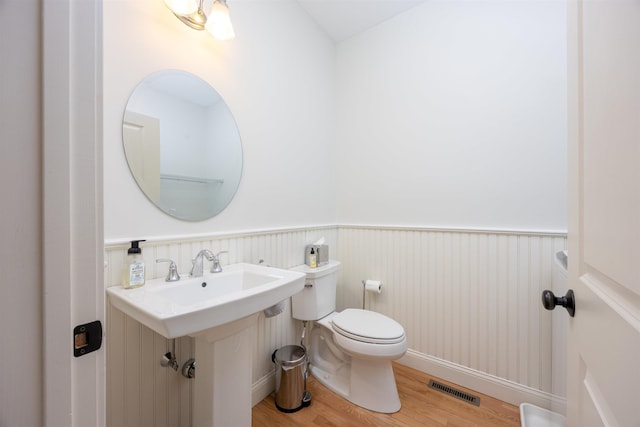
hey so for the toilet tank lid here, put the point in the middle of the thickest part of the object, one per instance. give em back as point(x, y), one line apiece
point(312, 273)
point(369, 324)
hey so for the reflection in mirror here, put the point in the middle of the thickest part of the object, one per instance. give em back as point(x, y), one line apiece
point(182, 145)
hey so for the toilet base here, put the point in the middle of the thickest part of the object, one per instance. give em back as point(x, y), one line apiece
point(372, 386)
point(368, 383)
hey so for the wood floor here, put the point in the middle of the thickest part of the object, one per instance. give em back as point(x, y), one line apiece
point(421, 406)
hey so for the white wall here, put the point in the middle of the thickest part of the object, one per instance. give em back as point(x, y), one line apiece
point(453, 114)
point(449, 115)
point(276, 77)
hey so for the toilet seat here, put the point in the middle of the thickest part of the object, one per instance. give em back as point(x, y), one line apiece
point(368, 327)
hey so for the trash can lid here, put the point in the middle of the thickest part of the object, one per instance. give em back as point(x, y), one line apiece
point(290, 355)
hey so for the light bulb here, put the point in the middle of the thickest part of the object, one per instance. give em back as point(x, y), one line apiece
point(219, 23)
point(182, 7)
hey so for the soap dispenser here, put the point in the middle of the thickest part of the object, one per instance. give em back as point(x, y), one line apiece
point(313, 258)
point(133, 274)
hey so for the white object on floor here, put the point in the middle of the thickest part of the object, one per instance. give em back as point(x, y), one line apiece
point(535, 416)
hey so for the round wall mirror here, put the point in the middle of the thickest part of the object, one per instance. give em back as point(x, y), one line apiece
point(182, 145)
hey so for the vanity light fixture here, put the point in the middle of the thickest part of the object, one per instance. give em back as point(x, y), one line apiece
point(190, 12)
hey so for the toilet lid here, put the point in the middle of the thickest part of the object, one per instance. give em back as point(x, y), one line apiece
point(368, 326)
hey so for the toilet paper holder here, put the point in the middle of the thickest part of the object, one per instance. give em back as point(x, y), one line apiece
point(370, 285)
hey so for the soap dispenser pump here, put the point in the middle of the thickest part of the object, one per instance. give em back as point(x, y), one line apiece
point(133, 273)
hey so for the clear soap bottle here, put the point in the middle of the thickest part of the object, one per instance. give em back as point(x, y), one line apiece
point(313, 259)
point(133, 271)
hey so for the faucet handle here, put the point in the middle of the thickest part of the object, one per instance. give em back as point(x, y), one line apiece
point(215, 267)
point(172, 275)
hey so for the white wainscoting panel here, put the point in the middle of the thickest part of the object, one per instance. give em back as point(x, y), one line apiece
point(142, 393)
point(470, 298)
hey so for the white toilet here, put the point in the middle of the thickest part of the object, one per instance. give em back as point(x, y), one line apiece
point(350, 352)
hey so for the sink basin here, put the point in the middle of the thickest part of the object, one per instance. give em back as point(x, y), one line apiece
point(196, 304)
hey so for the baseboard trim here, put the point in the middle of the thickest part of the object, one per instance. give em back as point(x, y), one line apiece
point(263, 388)
point(493, 386)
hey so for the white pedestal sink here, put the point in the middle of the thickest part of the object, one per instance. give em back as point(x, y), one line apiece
point(218, 310)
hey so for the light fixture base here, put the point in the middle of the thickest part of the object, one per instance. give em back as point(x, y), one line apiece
point(196, 20)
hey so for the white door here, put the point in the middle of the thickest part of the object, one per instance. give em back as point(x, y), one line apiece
point(141, 137)
point(73, 245)
point(604, 212)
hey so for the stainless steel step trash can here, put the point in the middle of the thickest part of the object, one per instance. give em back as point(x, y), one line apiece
point(291, 378)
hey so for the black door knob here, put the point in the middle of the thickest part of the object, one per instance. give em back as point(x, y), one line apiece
point(549, 301)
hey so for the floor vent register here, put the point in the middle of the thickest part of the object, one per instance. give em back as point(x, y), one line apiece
point(458, 394)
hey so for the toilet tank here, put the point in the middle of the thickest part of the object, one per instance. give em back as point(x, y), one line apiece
point(318, 298)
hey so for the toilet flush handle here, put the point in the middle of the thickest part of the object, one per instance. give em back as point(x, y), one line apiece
point(308, 285)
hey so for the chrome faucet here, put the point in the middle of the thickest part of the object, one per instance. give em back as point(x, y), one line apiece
point(196, 270)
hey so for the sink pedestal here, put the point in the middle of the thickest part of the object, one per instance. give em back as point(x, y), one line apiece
point(222, 392)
